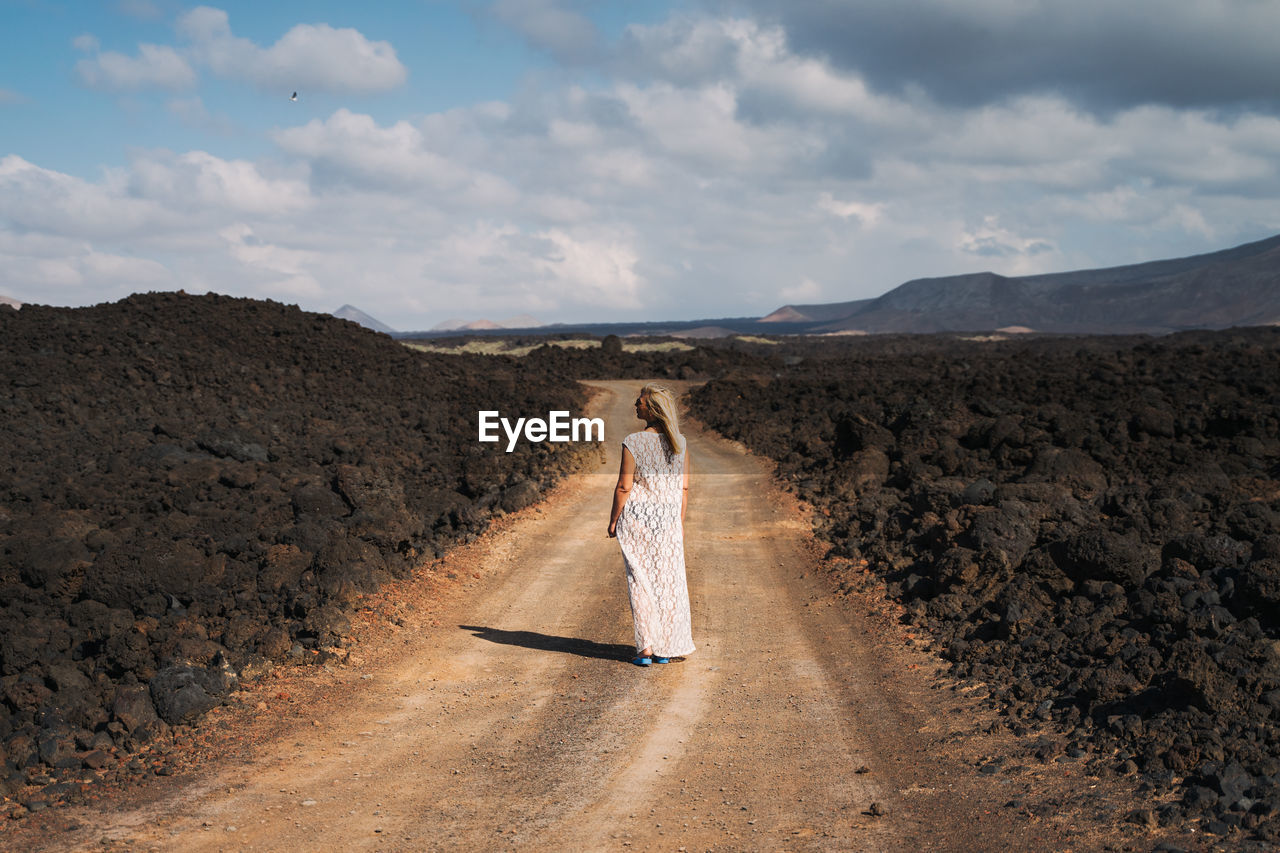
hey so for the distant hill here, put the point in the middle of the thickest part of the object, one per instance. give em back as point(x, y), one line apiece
point(9, 300)
point(355, 315)
point(814, 313)
point(1233, 287)
point(705, 332)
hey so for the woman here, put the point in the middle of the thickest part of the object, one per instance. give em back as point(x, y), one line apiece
point(648, 521)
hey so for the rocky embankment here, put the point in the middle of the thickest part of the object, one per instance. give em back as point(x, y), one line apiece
point(193, 489)
point(1092, 531)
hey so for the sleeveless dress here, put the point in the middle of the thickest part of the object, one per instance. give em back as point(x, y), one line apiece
point(652, 539)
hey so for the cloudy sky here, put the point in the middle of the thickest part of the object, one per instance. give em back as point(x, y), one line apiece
point(582, 159)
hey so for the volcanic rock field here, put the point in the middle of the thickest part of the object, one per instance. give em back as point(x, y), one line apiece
point(195, 489)
point(1090, 529)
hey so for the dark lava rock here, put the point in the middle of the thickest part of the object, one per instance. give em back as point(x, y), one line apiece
point(1105, 555)
point(1086, 524)
point(191, 479)
point(1257, 589)
point(58, 749)
point(519, 496)
point(96, 759)
point(133, 707)
point(317, 500)
point(182, 693)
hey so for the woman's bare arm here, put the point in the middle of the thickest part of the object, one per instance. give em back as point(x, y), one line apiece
point(626, 476)
point(684, 483)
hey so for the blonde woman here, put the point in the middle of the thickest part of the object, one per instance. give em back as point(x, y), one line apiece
point(648, 521)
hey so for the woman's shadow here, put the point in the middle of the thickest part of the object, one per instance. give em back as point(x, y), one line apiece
point(549, 643)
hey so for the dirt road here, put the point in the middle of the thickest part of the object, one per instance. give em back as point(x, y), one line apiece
point(508, 717)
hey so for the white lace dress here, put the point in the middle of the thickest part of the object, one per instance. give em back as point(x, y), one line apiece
point(652, 539)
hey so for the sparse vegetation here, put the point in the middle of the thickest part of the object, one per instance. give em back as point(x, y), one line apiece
point(522, 346)
point(655, 346)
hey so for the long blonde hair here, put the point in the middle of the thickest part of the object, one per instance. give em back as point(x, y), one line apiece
point(662, 408)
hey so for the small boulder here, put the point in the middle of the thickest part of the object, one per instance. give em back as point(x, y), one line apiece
point(182, 694)
point(519, 496)
point(133, 707)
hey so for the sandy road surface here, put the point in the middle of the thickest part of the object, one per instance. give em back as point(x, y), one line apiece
point(510, 719)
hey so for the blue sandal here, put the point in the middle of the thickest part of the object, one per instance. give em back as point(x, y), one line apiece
point(657, 659)
point(642, 660)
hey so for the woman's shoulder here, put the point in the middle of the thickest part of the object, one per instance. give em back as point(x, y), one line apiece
point(637, 435)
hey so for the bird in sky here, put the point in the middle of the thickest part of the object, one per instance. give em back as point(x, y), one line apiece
point(294, 96)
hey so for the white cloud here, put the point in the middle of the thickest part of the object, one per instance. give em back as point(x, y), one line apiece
point(703, 124)
point(315, 57)
point(684, 50)
point(487, 263)
point(698, 51)
point(807, 290)
point(354, 146)
point(1142, 207)
point(1196, 147)
point(351, 151)
point(600, 269)
point(45, 201)
point(626, 167)
point(992, 240)
point(562, 209)
point(155, 67)
point(8, 96)
point(868, 214)
point(134, 273)
point(193, 113)
point(283, 271)
point(200, 181)
point(153, 225)
point(1030, 130)
point(548, 26)
point(575, 134)
point(48, 269)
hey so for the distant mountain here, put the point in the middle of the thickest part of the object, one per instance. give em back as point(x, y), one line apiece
point(9, 300)
point(355, 315)
point(1233, 287)
point(814, 313)
point(705, 332)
